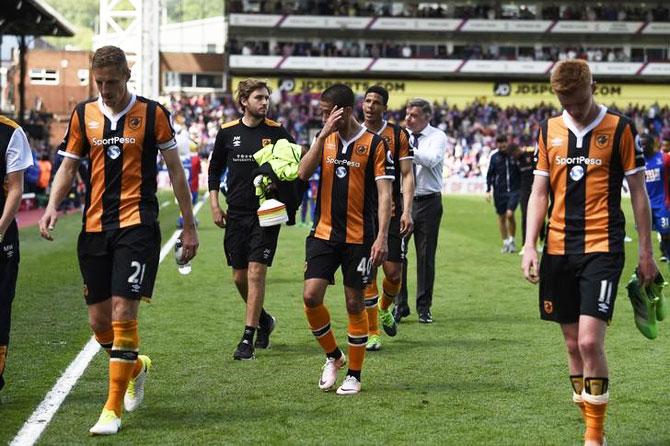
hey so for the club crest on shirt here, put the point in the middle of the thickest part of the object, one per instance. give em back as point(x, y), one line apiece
point(134, 122)
point(602, 140)
point(548, 307)
point(362, 149)
point(265, 142)
point(387, 139)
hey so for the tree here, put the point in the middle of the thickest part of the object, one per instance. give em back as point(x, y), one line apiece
point(184, 10)
point(83, 14)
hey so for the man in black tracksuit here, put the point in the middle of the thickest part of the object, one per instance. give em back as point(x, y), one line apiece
point(504, 178)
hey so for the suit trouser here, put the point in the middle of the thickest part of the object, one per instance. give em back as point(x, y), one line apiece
point(427, 215)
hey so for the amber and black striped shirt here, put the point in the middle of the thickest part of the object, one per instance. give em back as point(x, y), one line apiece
point(586, 170)
point(347, 198)
point(121, 181)
point(397, 140)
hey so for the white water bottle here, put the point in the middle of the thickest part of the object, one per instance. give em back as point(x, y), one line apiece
point(184, 268)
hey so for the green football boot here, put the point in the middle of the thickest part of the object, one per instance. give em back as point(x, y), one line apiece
point(388, 322)
point(657, 290)
point(643, 308)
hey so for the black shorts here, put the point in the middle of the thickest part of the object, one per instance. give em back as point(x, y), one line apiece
point(573, 285)
point(246, 241)
point(505, 201)
point(9, 271)
point(119, 262)
point(396, 243)
point(323, 257)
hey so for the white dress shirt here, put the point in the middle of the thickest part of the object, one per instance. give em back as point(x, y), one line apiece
point(429, 149)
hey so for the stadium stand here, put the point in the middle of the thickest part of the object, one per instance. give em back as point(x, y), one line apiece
point(352, 48)
point(482, 10)
point(623, 41)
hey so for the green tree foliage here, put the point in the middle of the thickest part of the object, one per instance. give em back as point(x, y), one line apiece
point(83, 14)
point(183, 10)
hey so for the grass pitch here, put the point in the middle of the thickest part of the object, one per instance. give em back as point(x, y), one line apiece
point(488, 371)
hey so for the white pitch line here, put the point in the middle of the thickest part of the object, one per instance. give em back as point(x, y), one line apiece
point(38, 421)
point(33, 428)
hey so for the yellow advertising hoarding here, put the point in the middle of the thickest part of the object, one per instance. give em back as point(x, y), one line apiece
point(462, 93)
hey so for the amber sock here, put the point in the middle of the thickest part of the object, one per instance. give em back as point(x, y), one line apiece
point(319, 322)
point(596, 397)
point(390, 291)
point(105, 339)
point(121, 362)
point(3, 355)
point(358, 337)
point(371, 296)
point(577, 382)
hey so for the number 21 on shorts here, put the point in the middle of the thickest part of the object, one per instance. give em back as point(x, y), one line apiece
point(137, 275)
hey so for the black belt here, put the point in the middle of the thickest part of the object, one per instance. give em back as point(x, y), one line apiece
point(428, 196)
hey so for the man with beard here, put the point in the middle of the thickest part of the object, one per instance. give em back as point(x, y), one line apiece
point(249, 248)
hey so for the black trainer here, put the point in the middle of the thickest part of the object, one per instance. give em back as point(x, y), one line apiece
point(426, 318)
point(244, 351)
point(399, 313)
point(263, 334)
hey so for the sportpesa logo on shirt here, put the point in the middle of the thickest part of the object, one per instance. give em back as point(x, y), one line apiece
point(577, 160)
point(331, 160)
point(113, 140)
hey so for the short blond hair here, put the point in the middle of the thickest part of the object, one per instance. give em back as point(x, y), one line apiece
point(248, 86)
point(571, 75)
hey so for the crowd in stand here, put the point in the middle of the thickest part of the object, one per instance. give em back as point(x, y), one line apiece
point(475, 51)
point(471, 130)
point(654, 11)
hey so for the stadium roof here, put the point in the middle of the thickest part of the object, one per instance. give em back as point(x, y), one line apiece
point(32, 18)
